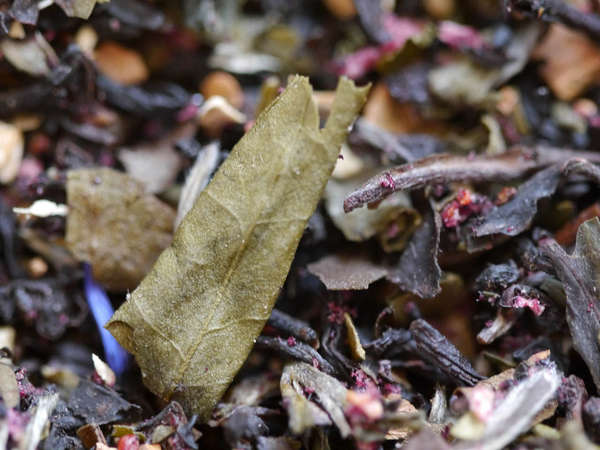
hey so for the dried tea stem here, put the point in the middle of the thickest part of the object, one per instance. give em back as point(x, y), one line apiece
point(293, 326)
point(558, 10)
point(295, 350)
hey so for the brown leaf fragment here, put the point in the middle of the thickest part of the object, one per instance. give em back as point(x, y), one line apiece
point(418, 270)
point(346, 272)
point(572, 61)
point(193, 320)
point(580, 276)
point(115, 226)
point(385, 112)
point(90, 434)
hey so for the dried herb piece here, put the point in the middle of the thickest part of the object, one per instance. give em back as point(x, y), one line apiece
point(346, 272)
point(159, 99)
point(581, 166)
point(516, 412)
point(516, 215)
point(197, 179)
point(78, 8)
point(100, 404)
point(9, 390)
point(418, 270)
point(558, 11)
point(8, 238)
point(397, 147)
point(38, 421)
point(371, 17)
point(433, 347)
point(214, 287)
point(293, 326)
point(356, 348)
point(327, 391)
point(136, 14)
point(295, 350)
point(114, 225)
point(392, 222)
point(156, 164)
point(464, 82)
point(579, 276)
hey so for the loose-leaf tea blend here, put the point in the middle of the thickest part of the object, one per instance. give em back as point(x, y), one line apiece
point(317, 224)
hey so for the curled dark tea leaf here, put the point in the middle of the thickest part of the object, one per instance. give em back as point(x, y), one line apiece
point(433, 347)
point(580, 277)
point(515, 216)
point(418, 270)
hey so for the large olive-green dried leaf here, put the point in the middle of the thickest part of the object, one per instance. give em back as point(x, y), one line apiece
point(193, 319)
point(115, 226)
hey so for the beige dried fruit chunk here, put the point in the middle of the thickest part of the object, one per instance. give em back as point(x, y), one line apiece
point(225, 85)
point(120, 64)
point(572, 61)
point(11, 151)
point(115, 226)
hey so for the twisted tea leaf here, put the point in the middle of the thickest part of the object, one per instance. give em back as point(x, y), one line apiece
point(580, 277)
point(193, 320)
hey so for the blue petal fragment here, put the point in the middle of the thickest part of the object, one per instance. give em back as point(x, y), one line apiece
point(102, 310)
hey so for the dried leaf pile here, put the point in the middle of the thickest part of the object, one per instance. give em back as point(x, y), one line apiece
point(321, 224)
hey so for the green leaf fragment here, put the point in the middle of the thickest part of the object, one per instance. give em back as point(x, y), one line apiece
point(194, 318)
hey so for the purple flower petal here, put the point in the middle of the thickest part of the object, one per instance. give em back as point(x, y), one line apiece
point(102, 310)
